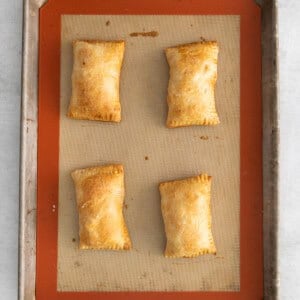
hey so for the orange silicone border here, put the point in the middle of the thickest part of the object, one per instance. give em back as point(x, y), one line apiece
point(251, 141)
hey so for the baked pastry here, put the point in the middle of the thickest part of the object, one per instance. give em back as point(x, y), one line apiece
point(100, 198)
point(185, 206)
point(95, 80)
point(193, 75)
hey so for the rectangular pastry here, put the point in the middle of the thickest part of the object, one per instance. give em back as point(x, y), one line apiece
point(185, 206)
point(95, 80)
point(100, 198)
point(191, 90)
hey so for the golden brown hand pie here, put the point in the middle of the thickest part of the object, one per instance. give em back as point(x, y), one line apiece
point(95, 80)
point(185, 206)
point(100, 198)
point(193, 75)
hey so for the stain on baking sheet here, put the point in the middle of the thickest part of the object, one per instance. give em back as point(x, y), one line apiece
point(145, 34)
point(143, 275)
point(204, 137)
point(146, 157)
point(77, 264)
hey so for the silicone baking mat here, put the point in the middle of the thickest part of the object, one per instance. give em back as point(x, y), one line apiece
point(151, 153)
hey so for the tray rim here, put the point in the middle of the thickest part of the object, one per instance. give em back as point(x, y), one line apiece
point(29, 129)
point(270, 76)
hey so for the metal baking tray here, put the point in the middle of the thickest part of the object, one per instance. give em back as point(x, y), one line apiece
point(29, 130)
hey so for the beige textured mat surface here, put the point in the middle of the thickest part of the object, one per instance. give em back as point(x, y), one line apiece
point(151, 153)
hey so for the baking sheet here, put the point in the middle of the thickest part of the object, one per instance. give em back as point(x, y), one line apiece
point(151, 153)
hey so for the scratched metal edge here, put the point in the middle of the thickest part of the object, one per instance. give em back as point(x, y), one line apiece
point(270, 147)
point(28, 153)
point(28, 164)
